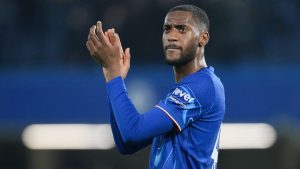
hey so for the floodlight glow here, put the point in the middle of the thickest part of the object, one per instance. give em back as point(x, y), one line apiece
point(99, 136)
point(68, 136)
point(247, 136)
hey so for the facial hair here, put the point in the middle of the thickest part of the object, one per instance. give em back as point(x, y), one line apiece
point(185, 58)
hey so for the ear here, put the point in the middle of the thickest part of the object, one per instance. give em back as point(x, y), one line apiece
point(204, 38)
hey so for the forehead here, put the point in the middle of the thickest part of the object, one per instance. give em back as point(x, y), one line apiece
point(179, 18)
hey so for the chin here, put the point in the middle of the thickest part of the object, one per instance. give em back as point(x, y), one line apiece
point(172, 62)
point(173, 57)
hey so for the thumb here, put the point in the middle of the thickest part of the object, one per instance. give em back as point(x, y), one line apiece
point(127, 56)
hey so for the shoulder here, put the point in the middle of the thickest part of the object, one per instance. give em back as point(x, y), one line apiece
point(204, 80)
point(205, 86)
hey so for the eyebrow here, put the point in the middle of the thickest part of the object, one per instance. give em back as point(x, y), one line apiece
point(176, 25)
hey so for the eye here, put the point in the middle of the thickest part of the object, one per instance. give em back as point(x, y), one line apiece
point(166, 28)
point(182, 29)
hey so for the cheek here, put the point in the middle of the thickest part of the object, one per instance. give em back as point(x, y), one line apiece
point(187, 45)
point(189, 42)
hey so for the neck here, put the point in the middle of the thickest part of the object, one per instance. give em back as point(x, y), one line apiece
point(193, 66)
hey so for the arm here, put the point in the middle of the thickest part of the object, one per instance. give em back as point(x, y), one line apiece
point(120, 144)
point(133, 126)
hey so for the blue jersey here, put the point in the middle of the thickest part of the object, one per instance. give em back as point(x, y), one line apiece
point(196, 105)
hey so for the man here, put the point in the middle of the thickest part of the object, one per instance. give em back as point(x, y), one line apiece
point(184, 127)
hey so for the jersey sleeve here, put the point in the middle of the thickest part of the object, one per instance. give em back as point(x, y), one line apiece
point(123, 147)
point(182, 106)
point(133, 127)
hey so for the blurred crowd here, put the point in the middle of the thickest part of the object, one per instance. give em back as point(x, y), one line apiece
point(54, 32)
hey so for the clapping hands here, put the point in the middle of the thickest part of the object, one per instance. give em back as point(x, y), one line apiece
point(107, 50)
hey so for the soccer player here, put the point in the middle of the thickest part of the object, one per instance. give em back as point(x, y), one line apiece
point(184, 127)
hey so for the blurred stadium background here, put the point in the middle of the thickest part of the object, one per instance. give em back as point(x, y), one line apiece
point(48, 80)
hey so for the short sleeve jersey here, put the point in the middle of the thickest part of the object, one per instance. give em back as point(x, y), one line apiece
point(196, 105)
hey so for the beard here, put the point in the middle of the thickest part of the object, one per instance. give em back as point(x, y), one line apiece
point(184, 58)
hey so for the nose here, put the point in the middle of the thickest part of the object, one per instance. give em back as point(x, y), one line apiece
point(172, 39)
point(171, 36)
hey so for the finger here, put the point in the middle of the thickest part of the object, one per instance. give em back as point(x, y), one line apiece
point(119, 42)
point(106, 35)
point(127, 52)
point(93, 37)
point(92, 48)
point(99, 29)
point(100, 33)
point(127, 56)
point(92, 30)
point(111, 35)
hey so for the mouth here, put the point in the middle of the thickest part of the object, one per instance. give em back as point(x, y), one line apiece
point(172, 47)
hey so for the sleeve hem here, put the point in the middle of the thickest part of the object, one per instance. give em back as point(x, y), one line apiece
point(113, 81)
point(115, 87)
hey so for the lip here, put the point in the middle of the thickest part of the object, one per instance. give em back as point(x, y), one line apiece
point(172, 47)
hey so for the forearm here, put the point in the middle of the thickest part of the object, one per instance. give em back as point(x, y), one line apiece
point(135, 127)
point(120, 144)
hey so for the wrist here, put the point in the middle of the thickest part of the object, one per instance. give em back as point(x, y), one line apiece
point(111, 73)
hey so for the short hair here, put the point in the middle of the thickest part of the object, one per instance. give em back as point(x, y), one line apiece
point(199, 15)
